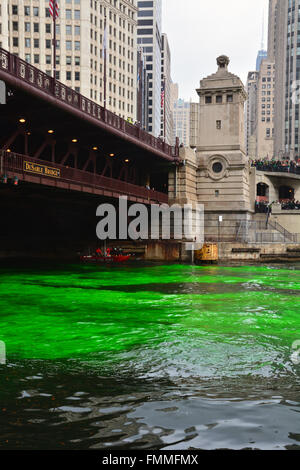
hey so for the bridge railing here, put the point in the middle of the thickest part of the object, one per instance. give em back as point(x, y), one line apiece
point(24, 71)
point(16, 163)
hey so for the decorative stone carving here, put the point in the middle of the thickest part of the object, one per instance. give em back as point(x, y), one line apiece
point(4, 61)
point(31, 75)
point(223, 61)
point(22, 70)
point(217, 167)
point(40, 80)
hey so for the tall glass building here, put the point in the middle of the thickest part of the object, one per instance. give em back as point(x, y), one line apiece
point(262, 54)
point(149, 37)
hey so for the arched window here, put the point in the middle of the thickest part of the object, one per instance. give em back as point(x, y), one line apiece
point(286, 193)
point(262, 192)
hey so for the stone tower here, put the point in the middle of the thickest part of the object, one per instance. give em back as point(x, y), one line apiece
point(223, 181)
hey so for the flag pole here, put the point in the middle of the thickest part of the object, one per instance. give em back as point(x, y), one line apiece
point(104, 67)
point(54, 39)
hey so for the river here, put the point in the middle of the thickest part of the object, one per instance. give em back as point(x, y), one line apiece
point(150, 357)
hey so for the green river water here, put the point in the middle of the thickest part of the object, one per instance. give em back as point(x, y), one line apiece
point(154, 357)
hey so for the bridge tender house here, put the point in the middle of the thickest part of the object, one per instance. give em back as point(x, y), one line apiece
point(41, 169)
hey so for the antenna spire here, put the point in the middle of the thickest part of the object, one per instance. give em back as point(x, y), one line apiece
point(263, 32)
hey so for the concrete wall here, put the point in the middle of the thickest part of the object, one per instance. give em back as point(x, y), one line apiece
point(228, 190)
point(274, 181)
point(265, 252)
point(290, 220)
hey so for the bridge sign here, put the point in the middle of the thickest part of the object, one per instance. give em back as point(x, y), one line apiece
point(41, 170)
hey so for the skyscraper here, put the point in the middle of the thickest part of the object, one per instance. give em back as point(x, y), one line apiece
point(166, 112)
point(251, 113)
point(149, 37)
point(284, 34)
point(259, 116)
point(262, 54)
point(26, 29)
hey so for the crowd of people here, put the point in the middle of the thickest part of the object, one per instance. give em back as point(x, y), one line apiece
point(282, 166)
point(263, 207)
point(290, 205)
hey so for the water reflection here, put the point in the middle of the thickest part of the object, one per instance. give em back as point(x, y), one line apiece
point(59, 409)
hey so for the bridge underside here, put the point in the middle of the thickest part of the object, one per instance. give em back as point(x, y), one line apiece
point(46, 145)
point(40, 221)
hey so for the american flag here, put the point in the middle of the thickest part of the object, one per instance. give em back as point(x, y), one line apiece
point(53, 7)
point(163, 95)
point(104, 47)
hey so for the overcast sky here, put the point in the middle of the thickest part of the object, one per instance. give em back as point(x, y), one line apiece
point(201, 30)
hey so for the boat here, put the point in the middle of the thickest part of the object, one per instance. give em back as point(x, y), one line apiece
point(108, 255)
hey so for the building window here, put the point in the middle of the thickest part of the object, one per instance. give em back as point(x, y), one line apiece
point(217, 167)
point(77, 60)
point(27, 27)
point(15, 9)
point(35, 11)
point(36, 27)
point(48, 59)
point(15, 42)
point(48, 28)
point(27, 11)
point(218, 124)
point(68, 75)
point(69, 45)
point(36, 58)
point(219, 99)
point(77, 14)
point(27, 42)
point(36, 43)
point(68, 30)
point(68, 14)
point(68, 60)
point(15, 26)
point(208, 100)
point(229, 98)
point(77, 76)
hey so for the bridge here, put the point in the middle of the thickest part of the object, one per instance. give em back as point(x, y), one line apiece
point(52, 136)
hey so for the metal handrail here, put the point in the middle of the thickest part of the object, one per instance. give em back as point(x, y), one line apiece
point(279, 228)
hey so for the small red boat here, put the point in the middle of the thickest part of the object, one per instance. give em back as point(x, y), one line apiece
point(108, 256)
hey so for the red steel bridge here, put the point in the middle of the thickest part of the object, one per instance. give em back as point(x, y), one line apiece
point(51, 135)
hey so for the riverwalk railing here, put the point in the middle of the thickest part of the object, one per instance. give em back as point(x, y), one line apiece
point(258, 232)
point(277, 168)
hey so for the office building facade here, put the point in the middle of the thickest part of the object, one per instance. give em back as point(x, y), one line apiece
point(149, 38)
point(284, 43)
point(26, 29)
point(166, 111)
